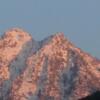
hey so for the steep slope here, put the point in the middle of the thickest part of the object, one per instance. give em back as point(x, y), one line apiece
point(15, 46)
point(52, 69)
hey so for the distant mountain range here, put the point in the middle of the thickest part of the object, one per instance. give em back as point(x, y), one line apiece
point(51, 69)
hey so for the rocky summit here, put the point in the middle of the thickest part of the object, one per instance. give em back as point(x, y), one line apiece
point(51, 69)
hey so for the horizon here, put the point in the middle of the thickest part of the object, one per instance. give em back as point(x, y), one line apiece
point(78, 20)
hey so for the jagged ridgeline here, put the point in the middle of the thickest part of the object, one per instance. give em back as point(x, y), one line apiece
point(51, 69)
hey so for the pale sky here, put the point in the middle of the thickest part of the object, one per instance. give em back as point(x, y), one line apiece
point(78, 19)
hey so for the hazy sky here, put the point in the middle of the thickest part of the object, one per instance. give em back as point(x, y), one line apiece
point(78, 19)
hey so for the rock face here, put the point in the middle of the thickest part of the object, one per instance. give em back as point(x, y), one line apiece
point(52, 69)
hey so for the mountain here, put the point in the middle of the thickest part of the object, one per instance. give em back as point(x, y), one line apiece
point(51, 69)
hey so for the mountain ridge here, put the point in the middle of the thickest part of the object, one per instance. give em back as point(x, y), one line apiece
point(51, 69)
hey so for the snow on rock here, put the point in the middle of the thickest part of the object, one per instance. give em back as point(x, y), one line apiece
point(51, 69)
